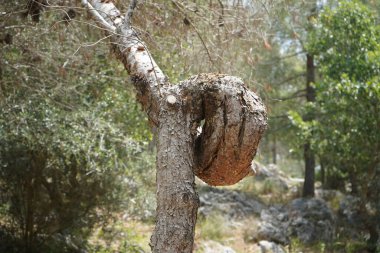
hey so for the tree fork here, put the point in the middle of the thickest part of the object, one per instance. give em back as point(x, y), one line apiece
point(220, 151)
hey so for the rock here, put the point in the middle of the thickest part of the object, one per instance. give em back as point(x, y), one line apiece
point(215, 247)
point(273, 226)
point(349, 210)
point(272, 174)
point(263, 172)
point(350, 217)
point(233, 204)
point(270, 247)
point(309, 220)
point(270, 171)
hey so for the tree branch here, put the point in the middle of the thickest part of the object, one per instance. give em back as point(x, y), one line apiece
point(290, 79)
point(129, 14)
point(145, 74)
point(99, 18)
point(297, 94)
point(235, 117)
point(196, 31)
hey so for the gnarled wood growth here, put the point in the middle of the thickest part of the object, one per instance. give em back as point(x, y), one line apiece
point(209, 125)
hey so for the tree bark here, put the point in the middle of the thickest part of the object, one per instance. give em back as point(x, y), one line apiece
point(29, 214)
point(219, 152)
point(309, 157)
point(177, 200)
point(308, 186)
point(323, 172)
point(372, 242)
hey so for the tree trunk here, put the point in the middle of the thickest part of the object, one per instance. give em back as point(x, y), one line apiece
point(309, 157)
point(352, 177)
point(308, 186)
point(220, 152)
point(177, 200)
point(29, 214)
point(323, 173)
point(372, 242)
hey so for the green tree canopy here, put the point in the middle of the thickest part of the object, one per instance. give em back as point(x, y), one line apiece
point(345, 132)
point(346, 41)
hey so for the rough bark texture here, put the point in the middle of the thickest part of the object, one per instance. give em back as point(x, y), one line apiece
point(209, 125)
point(234, 121)
point(177, 201)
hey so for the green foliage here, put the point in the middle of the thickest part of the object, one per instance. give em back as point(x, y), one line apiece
point(345, 133)
point(70, 128)
point(118, 237)
point(297, 246)
point(351, 246)
point(304, 128)
point(346, 41)
point(60, 170)
point(69, 134)
point(348, 125)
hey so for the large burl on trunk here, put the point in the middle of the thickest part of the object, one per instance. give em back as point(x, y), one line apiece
point(209, 125)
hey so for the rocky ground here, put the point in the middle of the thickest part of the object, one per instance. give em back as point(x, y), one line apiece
point(273, 227)
point(266, 219)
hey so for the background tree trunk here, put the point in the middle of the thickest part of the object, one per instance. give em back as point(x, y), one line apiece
point(323, 172)
point(308, 186)
point(309, 157)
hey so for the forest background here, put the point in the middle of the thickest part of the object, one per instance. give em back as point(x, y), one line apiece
point(77, 156)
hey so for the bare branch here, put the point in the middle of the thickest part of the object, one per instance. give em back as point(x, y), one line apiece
point(197, 32)
point(84, 45)
point(145, 74)
point(129, 14)
point(221, 6)
point(99, 18)
point(290, 79)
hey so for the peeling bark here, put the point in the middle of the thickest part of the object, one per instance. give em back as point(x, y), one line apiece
point(220, 154)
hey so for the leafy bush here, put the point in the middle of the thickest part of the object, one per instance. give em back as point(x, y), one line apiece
point(69, 132)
